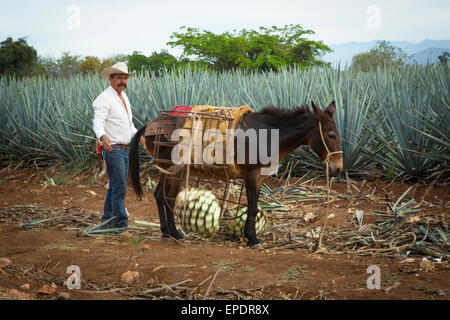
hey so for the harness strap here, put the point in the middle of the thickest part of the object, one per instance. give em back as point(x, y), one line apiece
point(327, 161)
point(329, 154)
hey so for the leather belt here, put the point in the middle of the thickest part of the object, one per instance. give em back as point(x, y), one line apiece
point(122, 146)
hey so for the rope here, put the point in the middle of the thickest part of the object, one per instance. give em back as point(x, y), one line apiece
point(194, 116)
point(163, 170)
point(197, 115)
point(327, 160)
point(176, 171)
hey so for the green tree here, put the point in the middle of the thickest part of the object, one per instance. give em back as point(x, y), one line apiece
point(382, 55)
point(263, 49)
point(90, 65)
point(138, 61)
point(17, 57)
point(68, 65)
point(162, 60)
point(50, 65)
point(106, 63)
point(117, 58)
point(444, 58)
point(39, 70)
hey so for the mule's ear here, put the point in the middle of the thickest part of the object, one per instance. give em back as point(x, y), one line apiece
point(316, 109)
point(331, 109)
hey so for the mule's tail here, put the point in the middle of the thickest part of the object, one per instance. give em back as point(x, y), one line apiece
point(133, 168)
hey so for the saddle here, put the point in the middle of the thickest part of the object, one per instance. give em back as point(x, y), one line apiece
point(221, 118)
point(201, 117)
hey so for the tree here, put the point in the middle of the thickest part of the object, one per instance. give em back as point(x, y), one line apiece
point(68, 65)
point(157, 61)
point(443, 59)
point(50, 65)
point(137, 61)
point(382, 55)
point(160, 61)
point(17, 57)
point(264, 49)
point(90, 65)
point(118, 58)
point(106, 63)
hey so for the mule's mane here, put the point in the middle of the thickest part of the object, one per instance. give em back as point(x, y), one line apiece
point(284, 112)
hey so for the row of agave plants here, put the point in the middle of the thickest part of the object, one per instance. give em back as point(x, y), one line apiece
point(392, 122)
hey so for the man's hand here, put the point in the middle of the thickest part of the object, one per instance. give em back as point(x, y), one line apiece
point(106, 143)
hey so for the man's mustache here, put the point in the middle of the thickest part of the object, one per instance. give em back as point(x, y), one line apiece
point(123, 84)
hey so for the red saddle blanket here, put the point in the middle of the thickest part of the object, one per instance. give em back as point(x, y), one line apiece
point(177, 109)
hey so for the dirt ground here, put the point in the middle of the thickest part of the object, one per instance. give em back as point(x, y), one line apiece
point(41, 255)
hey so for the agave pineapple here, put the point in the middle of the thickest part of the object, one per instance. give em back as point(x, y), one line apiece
point(235, 226)
point(198, 211)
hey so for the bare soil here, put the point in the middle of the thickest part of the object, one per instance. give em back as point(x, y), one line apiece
point(41, 255)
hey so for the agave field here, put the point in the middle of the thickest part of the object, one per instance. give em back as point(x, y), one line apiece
point(395, 123)
point(394, 126)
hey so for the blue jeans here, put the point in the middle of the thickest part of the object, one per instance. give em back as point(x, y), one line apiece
point(117, 165)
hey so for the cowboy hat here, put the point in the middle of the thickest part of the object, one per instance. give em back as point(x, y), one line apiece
point(119, 67)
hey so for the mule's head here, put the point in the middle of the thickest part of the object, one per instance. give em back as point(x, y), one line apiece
point(330, 136)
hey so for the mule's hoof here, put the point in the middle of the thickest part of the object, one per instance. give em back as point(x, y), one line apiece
point(177, 235)
point(258, 247)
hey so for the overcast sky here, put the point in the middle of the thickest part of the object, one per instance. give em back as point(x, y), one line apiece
point(102, 28)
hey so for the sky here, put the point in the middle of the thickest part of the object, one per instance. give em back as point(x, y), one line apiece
point(103, 28)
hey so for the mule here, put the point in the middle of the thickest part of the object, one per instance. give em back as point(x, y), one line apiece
point(298, 126)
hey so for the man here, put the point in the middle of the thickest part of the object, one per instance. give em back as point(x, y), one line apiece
point(113, 126)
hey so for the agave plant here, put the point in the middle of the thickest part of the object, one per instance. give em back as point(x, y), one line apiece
point(392, 119)
point(436, 124)
point(397, 211)
point(355, 104)
point(411, 126)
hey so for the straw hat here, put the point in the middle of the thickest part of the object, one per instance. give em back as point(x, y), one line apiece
point(119, 67)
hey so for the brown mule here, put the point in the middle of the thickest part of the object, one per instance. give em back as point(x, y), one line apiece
point(296, 127)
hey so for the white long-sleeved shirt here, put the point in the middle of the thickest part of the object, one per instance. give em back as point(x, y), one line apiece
point(111, 118)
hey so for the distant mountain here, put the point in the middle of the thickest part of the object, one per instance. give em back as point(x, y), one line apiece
point(429, 55)
point(427, 50)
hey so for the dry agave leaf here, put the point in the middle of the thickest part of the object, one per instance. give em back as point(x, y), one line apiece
point(389, 288)
point(408, 260)
point(158, 268)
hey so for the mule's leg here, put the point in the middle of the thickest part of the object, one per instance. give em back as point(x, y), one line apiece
point(252, 187)
point(171, 220)
point(174, 188)
point(160, 202)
